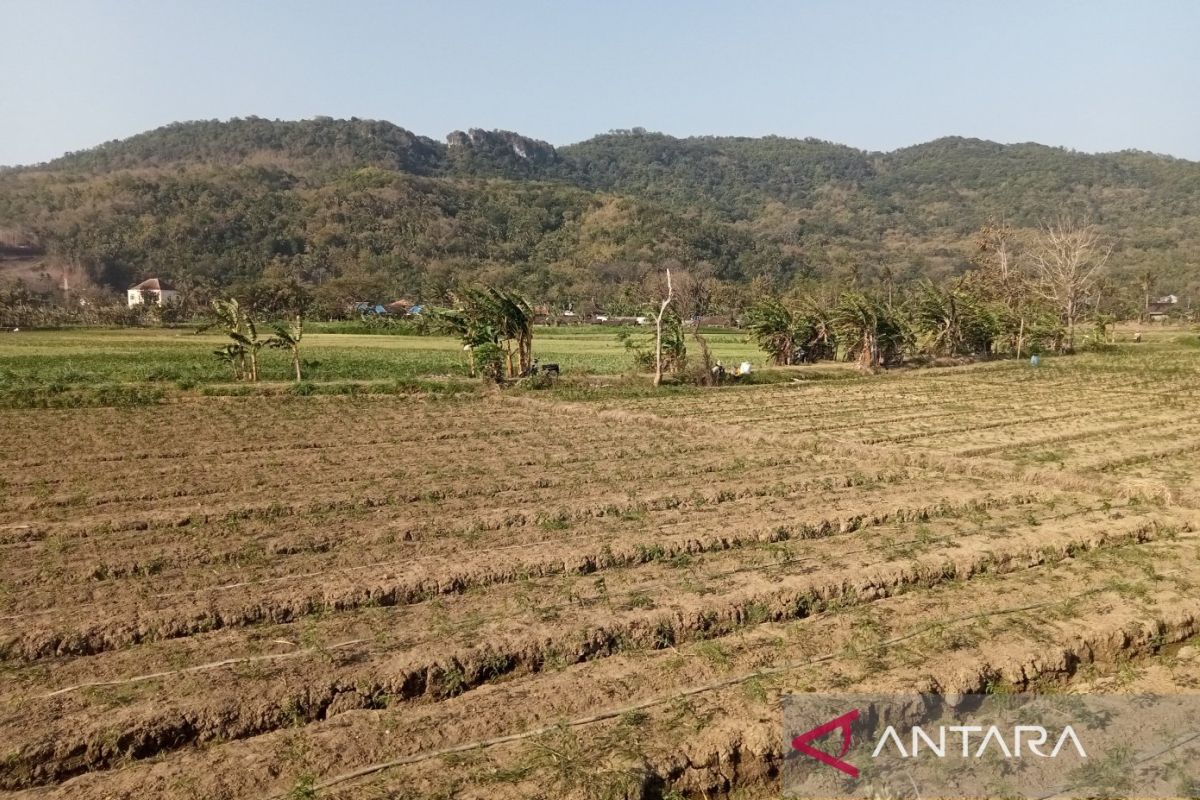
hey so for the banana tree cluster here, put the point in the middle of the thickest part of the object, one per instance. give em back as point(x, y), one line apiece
point(241, 352)
point(491, 322)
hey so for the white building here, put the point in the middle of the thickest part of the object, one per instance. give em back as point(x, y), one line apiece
point(151, 290)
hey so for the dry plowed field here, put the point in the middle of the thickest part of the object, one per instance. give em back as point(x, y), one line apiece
point(522, 597)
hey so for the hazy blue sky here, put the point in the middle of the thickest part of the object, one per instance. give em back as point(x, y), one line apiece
point(878, 75)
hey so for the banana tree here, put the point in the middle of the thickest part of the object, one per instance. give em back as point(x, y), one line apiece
point(872, 333)
point(773, 327)
point(287, 337)
point(235, 357)
point(239, 326)
point(955, 320)
point(513, 316)
point(490, 316)
point(791, 336)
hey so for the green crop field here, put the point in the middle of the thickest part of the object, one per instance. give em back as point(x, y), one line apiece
point(72, 358)
point(92, 366)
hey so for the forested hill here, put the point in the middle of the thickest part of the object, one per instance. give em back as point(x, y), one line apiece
point(371, 205)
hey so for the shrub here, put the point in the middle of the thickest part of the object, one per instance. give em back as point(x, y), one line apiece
point(489, 361)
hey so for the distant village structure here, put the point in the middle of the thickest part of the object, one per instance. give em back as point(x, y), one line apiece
point(151, 291)
point(1159, 310)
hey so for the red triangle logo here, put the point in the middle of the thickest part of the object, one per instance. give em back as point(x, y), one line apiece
point(801, 742)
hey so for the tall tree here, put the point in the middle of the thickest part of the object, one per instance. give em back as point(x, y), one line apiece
point(1146, 284)
point(1004, 283)
point(996, 243)
point(1067, 259)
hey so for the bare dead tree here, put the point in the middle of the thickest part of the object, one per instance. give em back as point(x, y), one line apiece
point(658, 319)
point(693, 289)
point(1066, 260)
point(998, 254)
point(996, 242)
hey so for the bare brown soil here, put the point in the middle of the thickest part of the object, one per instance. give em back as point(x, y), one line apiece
point(515, 597)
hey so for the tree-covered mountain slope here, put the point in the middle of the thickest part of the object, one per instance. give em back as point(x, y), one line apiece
point(220, 203)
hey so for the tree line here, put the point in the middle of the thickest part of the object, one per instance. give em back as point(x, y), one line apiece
point(1021, 297)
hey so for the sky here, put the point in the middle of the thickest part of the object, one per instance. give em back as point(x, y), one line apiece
point(1090, 75)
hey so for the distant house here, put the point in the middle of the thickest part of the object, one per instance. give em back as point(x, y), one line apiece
point(712, 321)
point(613, 319)
point(1160, 309)
point(151, 291)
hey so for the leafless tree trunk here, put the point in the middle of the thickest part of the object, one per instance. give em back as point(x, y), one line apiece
point(662, 309)
point(1000, 255)
point(1146, 279)
point(1066, 262)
